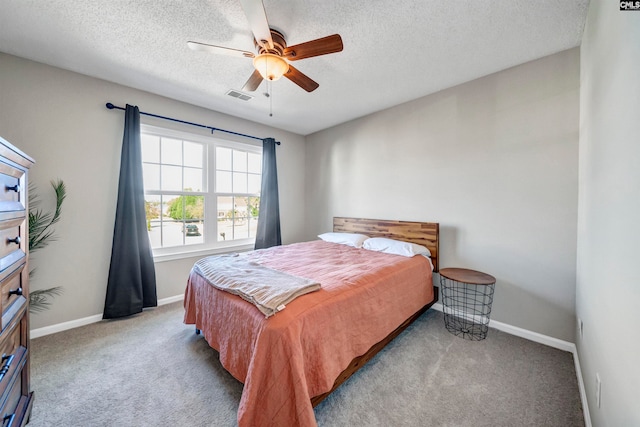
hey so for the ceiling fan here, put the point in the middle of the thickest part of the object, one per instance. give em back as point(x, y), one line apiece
point(272, 60)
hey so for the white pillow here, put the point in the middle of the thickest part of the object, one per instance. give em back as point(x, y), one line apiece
point(396, 247)
point(349, 239)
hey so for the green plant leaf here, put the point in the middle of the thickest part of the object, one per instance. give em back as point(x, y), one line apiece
point(40, 223)
point(40, 235)
point(39, 300)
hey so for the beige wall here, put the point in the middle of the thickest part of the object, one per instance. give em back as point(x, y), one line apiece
point(608, 274)
point(59, 118)
point(494, 161)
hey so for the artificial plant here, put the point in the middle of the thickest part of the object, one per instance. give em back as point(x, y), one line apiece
point(40, 235)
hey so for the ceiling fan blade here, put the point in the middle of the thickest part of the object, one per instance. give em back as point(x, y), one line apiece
point(257, 17)
point(323, 46)
point(219, 50)
point(253, 82)
point(301, 79)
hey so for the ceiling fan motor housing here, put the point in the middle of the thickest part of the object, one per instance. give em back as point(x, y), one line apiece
point(279, 44)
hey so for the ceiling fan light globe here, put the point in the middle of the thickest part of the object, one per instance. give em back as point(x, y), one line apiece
point(271, 67)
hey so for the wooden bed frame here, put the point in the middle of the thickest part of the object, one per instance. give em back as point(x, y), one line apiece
point(422, 233)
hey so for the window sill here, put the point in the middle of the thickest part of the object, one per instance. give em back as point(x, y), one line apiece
point(200, 253)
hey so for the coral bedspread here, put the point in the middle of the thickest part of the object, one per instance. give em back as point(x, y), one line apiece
point(297, 354)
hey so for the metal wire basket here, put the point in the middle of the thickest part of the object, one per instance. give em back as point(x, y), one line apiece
point(466, 307)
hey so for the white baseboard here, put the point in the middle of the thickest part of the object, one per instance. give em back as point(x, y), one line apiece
point(583, 392)
point(525, 333)
point(59, 327)
point(165, 301)
point(551, 342)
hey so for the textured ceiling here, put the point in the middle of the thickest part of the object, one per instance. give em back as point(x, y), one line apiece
point(394, 50)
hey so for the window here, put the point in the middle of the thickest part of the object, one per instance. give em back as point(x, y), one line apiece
point(200, 192)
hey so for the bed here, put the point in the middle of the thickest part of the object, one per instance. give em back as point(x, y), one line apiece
point(291, 361)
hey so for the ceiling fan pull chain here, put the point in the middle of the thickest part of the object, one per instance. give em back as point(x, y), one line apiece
point(270, 98)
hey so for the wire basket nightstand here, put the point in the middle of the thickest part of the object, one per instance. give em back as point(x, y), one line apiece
point(467, 296)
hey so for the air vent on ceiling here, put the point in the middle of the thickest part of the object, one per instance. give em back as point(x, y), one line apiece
point(239, 95)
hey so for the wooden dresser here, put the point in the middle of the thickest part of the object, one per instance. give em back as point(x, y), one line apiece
point(16, 398)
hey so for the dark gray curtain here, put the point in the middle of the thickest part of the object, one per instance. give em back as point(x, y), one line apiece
point(132, 277)
point(268, 233)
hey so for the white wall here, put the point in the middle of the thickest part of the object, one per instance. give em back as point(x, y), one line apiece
point(494, 161)
point(608, 274)
point(59, 118)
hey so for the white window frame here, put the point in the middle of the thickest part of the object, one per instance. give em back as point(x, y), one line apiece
point(211, 244)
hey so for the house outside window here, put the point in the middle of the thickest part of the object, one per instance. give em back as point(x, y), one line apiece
point(201, 193)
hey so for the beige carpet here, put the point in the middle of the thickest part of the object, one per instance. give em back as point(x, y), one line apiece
point(152, 370)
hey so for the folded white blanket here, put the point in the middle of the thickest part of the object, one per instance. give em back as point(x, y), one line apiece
point(268, 289)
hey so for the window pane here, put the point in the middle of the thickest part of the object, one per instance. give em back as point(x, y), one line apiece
point(150, 148)
point(223, 158)
point(151, 176)
point(253, 227)
point(193, 154)
point(254, 207)
point(152, 208)
point(240, 205)
point(171, 151)
point(193, 208)
point(225, 207)
point(193, 180)
point(194, 219)
point(240, 230)
point(239, 161)
point(172, 207)
point(254, 183)
point(223, 182)
point(171, 178)
point(255, 163)
point(172, 220)
point(193, 232)
point(239, 182)
point(241, 220)
point(225, 229)
point(225, 218)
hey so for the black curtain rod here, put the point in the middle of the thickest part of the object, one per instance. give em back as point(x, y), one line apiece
point(110, 106)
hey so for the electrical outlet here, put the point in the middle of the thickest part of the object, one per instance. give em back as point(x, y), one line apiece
point(580, 327)
point(598, 390)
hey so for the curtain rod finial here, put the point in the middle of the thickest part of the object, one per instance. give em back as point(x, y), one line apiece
point(110, 106)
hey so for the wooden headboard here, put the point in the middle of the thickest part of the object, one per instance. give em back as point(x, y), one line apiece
point(422, 233)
